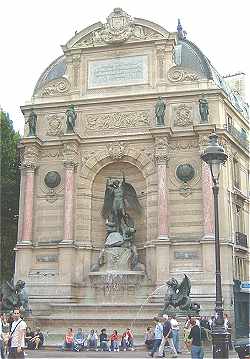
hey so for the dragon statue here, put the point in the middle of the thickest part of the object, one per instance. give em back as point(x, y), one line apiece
point(177, 295)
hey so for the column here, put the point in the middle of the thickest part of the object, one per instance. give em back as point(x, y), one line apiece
point(69, 201)
point(27, 223)
point(208, 206)
point(163, 229)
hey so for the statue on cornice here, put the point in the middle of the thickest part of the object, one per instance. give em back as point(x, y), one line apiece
point(32, 120)
point(71, 119)
point(160, 108)
point(203, 109)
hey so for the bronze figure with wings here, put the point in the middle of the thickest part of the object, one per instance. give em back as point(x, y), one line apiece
point(119, 197)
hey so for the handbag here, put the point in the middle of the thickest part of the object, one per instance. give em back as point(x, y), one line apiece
point(9, 340)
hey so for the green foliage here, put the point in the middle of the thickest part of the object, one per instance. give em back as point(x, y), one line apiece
point(10, 181)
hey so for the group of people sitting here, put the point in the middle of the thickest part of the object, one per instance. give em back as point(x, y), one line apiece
point(79, 341)
point(34, 339)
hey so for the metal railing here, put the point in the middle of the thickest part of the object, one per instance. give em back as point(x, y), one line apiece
point(239, 136)
point(241, 239)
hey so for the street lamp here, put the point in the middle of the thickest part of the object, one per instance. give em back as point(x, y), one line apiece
point(215, 156)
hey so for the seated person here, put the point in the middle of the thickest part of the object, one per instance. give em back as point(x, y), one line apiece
point(78, 343)
point(127, 340)
point(37, 340)
point(104, 341)
point(92, 340)
point(149, 338)
point(68, 339)
point(114, 339)
point(28, 337)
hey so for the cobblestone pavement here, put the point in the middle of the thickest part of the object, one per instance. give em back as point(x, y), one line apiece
point(130, 355)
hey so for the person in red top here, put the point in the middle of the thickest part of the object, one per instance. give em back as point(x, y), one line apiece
point(127, 340)
point(114, 339)
point(68, 339)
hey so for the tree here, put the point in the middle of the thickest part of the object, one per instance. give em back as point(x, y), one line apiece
point(10, 182)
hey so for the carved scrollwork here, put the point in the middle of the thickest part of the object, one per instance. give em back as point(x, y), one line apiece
point(29, 157)
point(55, 87)
point(178, 74)
point(116, 150)
point(55, 125)
point(118, 120)
point(183, 116)
point(161, 152)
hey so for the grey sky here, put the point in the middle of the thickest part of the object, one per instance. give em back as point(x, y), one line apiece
point(32, 32)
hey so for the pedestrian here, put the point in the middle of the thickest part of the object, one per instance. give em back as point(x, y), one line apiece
point(149, 338)
point(114, 339)
point(176, 333)
point(158, 333)
point(17, 335)
point(167, 338)
point(228, 327)
point(5, 334)
point(197, 335)
point(187, 328)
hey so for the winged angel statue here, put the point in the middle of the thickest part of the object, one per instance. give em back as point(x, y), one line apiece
point(119, 197)
point(177, 295)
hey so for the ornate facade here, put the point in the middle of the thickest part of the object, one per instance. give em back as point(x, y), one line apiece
point(113, 73)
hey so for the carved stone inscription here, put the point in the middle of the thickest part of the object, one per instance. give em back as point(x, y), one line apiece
point(122, 71)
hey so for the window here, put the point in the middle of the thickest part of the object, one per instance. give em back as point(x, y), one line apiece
point(229, 121)
point(243, 134)
point(240, 268)
point(236, 173)
point(239, 220)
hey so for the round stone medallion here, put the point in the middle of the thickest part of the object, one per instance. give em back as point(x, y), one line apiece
point(185, 172)
point(52, 179)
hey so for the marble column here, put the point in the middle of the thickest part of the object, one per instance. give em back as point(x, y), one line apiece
point(163, 227)
point(27, 223)
point(208, 204)
point(69, 201)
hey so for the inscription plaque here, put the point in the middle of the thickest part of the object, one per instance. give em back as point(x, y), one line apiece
point(120, 71)
point(186, 255)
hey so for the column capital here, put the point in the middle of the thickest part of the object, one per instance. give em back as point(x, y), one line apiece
point(161, 152)
point(28, 167)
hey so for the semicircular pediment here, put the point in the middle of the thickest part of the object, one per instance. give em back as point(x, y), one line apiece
point(119, 28)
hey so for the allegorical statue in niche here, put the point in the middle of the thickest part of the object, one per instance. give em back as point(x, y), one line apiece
point(32, 120)
point(203, 109)
point(71, 119)
point(177, 295)
point(160, 108)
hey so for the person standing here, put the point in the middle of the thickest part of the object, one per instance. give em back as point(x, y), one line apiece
point(17, 335)
point(158, 333)
point(197, 336)
point(167, 337)
point(149, 338)
point(176, 333)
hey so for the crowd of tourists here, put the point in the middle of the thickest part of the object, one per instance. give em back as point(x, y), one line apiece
point(102, 341)
point(165, 336)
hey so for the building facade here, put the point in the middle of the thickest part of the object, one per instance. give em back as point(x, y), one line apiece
point(113, 74)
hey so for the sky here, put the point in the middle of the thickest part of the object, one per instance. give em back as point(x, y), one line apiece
point(31, 33)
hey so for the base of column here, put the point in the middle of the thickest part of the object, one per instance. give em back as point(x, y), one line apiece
point(24, 244)
point(67, 241)
point(208, 237)
point(163, 237)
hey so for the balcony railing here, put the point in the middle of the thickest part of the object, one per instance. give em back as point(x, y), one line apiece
point(241, 239)
point(239, 136)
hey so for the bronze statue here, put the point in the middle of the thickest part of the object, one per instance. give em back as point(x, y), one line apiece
point(14, 296)
point(119, 195)
point(203, 109)
point(177, 295)
point(160, 108)
point(71, 119)
point(32, 120)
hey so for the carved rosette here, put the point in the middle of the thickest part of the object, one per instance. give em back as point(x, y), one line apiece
point(178, 74)
point(183, 116)
point(55, 125)
point(106, 121)
point(161, 152)
point(55, 88)
point(116, 150)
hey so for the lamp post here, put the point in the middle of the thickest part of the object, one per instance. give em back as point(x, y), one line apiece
point(215, 156)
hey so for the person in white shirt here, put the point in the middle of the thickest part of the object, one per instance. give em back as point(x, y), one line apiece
point(17, 334)
point(176, 333)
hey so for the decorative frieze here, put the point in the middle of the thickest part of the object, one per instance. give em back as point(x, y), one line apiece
point(178, 74)
point(183, 116)
point(181, 145)
point(106, 121)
